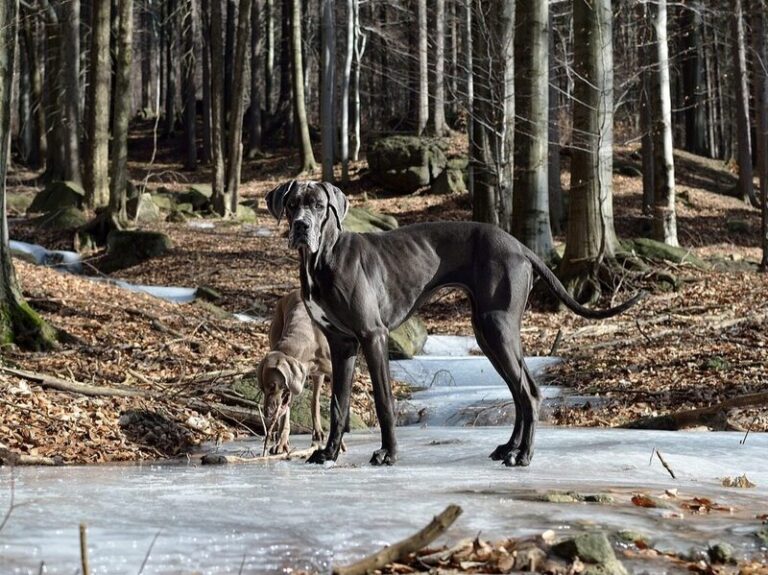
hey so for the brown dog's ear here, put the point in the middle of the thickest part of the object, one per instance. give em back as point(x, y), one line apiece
point(276, 199)
point(337, 202)
point(294, 373)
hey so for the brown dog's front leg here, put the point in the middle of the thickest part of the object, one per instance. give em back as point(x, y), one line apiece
point(317, 422)
point(343, 357)
point(283, 444)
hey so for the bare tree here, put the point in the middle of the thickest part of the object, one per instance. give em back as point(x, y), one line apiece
point(346, 73)
point(438, 118)
point(19, 323)
point(254, 116)
point(422, 109)
point(217, 107)
point(308, 163)
point(269, 53)
point(328, 85)
point(761, 128)
point(359, 41)
point(189, 65)
point(171, 26)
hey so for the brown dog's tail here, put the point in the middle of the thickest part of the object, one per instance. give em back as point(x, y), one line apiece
point(557, 288)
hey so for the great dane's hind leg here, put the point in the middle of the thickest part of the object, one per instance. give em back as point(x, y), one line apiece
point(499, 338)
point(343, 356)
point(375, 351)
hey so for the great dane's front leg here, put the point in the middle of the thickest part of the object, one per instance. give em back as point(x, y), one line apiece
point(343, 356)
point(375, 350)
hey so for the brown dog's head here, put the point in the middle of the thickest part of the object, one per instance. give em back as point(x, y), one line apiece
point(314, 210)
point(280, 378)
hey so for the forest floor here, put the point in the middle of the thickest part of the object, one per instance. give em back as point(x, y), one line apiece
point(702, 343)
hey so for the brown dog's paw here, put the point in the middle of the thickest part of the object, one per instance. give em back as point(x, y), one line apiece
point(383, 457)
point(318, 436)
point(279, 449)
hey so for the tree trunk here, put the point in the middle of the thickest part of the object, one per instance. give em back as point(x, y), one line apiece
point(53, 93)
point(217, 104)
point(761, 128)
point(97, 166)
point(422, 53)
point(236, 107)
point(590, 237)
point(555, 190)
point(746, 188)
point(438, 119)
point(254, 116)
point(531, 198)
point(119, 176)
point(205, 22)
point(189, 65)
point(694, 80)
point(646, 105)
point(32, 30)
point(27, 137)
point(664, 218)
point(269, 53)
point(492, 111)
point(308, 163)
point(469, 106)
point(148, 41)
point(328, 55)
point(19, 323)
point(349, 51)
point(359, 41)
point(172, 39)
point(70, 30)
point(229, 55)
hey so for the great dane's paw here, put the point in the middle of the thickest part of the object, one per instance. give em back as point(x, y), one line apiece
point(319, 457)
point(517, 459)
point(382, 457)
point(503, 452)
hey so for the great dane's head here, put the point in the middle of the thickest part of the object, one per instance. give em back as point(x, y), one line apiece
point(280, 377)
point(314, 210)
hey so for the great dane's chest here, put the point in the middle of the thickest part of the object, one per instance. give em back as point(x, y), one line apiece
point(317, 302)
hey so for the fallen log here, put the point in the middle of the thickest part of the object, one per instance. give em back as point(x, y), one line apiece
point(221, 459)
point(74, 386)
point(699, 416)
point(400, 551)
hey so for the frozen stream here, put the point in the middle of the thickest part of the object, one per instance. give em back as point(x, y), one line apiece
point(290, 515)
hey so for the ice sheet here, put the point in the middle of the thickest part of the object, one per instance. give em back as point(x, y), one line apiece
point(291, 515)
point(68, 261)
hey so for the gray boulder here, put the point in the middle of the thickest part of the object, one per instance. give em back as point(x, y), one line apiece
point(408, 339)
point(66, 218)
point(126, 248)
point(57, 195)
point(199, 195)
point(405, 163)
point(361, 220)
point(450, 181)
point(143, 210)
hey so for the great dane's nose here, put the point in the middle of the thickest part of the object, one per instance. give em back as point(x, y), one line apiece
point(300, 226)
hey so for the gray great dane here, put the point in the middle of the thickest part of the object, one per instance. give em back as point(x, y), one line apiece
point(358, 287)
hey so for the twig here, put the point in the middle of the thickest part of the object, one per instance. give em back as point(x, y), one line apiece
point(84, 550)
point(399, 551)
point(749, 428)
point(556, 343)
point(73, 386)
point(665, 464)
point(149, 552)
point(642, 332)
point(242, 566)
point(12, 504)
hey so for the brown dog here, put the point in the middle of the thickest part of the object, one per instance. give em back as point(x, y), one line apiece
point(299, 350)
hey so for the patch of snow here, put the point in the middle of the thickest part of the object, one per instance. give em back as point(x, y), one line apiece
point(60, 259)
point(201, 224)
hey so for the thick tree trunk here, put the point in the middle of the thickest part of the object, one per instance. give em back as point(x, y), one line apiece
point(492, 111)
point(346, 77)
point(236, 107)
point(97, 166)
point(590, 237)
point(664, 217)
point(229, 54)
point(217, 103)
point(119, 175)
point(422, 54)
point(646, 105)
point(308, 163)
point(53, 93)
point(254, 116)
point(531, 198)
point(205, 22)
point(27, 140)
point(438, 119)
point(694, 80)
point(746, 187)
point(19, 324)
point(328, 55)
point(148, 62)
point(189, 65)
point(269, 53)
point(70, 30)
point(172, 40)
point(761, 127)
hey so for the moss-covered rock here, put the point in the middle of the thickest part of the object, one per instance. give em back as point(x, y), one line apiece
point(143, 210)
point(362, 220)
point(126, 248)
point(199, 195)
point(245, 213)
point(720, 552)
point(659, 251)
point(165, 201)
point(56, 196)
point(589, 547)
point(18, 203)
point(449, 182)
point(68, 218)
point(405, 163)
point(408, 339)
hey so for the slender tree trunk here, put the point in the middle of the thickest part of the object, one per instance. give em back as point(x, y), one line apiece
point(38, 100)
point(217, 104)
point(492, 111)
point(54, 96)
point(761, 128)
point(422, 110)
point(189, 65)
point(205, 21)
point(555, 191)
point(327, 121)
point(308, 163)
point(746, 188)
point(694, 81)
point(469, 78)
point(531, 199)
point(19, 324)
point(438, 121)
point(70, 30)
point(27, 138)
point(237, 108)
point(147, 54)
point(172, 41)
point(664, 217)
point(359, 41)
point(119, 175)
point(229, 54)
point(254, 116)
point(269, 53)
point(97, 167)
point(590, 237)
point(646, 104)
point(346, 77)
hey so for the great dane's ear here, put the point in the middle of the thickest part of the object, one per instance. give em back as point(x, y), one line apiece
point(337, 202)
point(276, 199)
point(294, 372)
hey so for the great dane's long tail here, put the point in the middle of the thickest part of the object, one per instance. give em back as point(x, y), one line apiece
point(562, 294)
